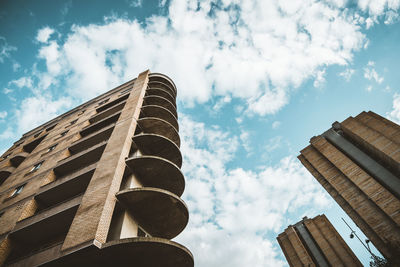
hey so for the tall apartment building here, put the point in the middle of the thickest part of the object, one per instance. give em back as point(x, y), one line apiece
point(315, 242)
point(99, 185)
point(357, 161)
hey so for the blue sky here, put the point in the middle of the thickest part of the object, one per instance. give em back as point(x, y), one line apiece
point(256, 80)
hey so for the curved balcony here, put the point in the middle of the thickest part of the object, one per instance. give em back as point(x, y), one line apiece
point(162, 102)
point(5, 173)
point(161, 113)
point(18, 158)
point(159, 212)
point(161, 85)
point(152, 171)
point(160, 127)
point(162, 78)
point(157, 145)
point(161, 93)
point(137, 251)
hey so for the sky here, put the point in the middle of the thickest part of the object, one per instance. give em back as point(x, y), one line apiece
point(256, 80)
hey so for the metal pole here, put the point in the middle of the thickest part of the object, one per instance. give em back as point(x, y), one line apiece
point(353, 232)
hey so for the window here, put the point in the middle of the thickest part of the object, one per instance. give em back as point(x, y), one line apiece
point(73, 122)
point(63, 133)
point(126, 91)
point(36, 166)
point(51, 148)
point(37, 134)
point(103, 101)
point(51, 128)
point(1, 213)
point(6, 156)
point(17, 190)
point(83, 111)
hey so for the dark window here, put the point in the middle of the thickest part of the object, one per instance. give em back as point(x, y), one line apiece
point(64, 133)
point(1, 214)
point(73, 122)
point(126, 91)
point(83, 111)
point(36, 135)
point(51, 128)
point(17, 190)
point(51, 148)
point(103, 101)
point(6, 156)
point(36, 166)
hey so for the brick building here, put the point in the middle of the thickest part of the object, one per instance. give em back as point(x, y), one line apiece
point(99, 185)
point(315, 242)
point(358, 163)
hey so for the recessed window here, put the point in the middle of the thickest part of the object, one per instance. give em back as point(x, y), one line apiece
point(51, 128)
point(36, 135)
point(36, 166)
point(17, 190)
point(83, 111)
point(51, 148)
point(6, 156)
point(103, 101)
point(126, 91)
point(73, 122)
point(1, 214)
point(63, 133)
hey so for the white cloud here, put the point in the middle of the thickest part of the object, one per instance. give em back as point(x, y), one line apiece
point(234, 214)
point(7, 134)
point(39, 109)
point(44, 34)
point(5, 49)
point(221, 102)
point(319, 78)
point(276, 125)
point(22, 82)
point(394, 115)
point(7, 90)
point(135, 3)
point(347, 74)
point(16, 66)
point(3, 114)
point(274, 48)
point(376, 9)
point(371, 74)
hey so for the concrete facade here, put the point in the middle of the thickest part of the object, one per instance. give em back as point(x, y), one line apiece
point(99, 185)
point(315, 242)
point(357, 161)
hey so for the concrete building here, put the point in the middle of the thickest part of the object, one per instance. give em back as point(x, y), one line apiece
point(99, 185)
point(358, 163)
point(315, 242)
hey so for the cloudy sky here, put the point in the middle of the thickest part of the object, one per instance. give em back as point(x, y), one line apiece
point(256, 79)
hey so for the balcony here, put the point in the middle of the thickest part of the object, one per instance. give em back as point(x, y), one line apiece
point(91, 139)
point(158, 77)
point(160, 127)
point(152, 171)
point(100, 124)
point(42, 228)
point(33, 144)
point(18, 158)
point(161, 113)
point(162, 102)
point(65, 188)
point(142, 251)
point(107, 112)
point(5, 173)
point(112, 103)
point(80, 160)
point(161, 85)
point(161, 93)
point(159, 212)
point(160, 146)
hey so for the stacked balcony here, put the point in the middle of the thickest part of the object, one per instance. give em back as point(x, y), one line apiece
point(153, 182)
